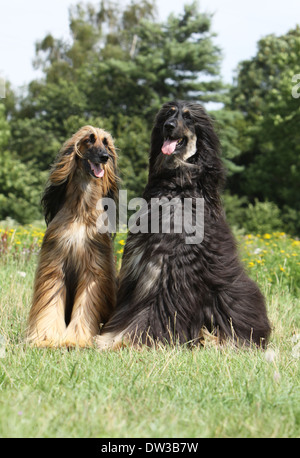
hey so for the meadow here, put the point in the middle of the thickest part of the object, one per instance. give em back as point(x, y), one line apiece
point(170, 392)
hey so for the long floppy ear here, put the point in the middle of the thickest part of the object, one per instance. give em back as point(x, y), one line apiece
point(65, 163)
point(212, 177)
point(156, 141)
point(111, 178)
point(61, 171)
point(155, 148)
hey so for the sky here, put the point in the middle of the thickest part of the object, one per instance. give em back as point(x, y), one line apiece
point(238, 25)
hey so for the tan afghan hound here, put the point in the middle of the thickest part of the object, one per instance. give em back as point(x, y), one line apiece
point(75, 287)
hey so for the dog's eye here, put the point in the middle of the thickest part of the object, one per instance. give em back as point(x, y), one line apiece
point(92, 138)
point(106, 144)
point(171, 112)
point(186, 115)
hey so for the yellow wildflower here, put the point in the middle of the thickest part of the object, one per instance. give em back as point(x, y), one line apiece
point(267, 236)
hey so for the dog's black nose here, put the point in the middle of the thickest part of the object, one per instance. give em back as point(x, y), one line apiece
point(104, 157)
point(170, 124)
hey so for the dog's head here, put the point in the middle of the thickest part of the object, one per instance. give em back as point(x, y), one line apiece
point(91, 152)
point(178, 131)
point(184, 142)
point(95, 151)
point(89, 155)
point(183, 133)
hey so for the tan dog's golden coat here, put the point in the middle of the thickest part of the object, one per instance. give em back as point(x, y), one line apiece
point(74, 287)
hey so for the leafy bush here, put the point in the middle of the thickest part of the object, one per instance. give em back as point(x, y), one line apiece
point(263, 217)
point(235, 209)
point(20, 189)
point(259, 217)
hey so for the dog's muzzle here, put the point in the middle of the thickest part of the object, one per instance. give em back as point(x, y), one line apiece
point(96, 164)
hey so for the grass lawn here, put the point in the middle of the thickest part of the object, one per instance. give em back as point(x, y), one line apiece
point(169, 392)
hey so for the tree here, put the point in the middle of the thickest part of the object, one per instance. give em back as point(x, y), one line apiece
point(118, 68)
point(4, 128)
point(271, 152)
point(264, 94)
point(20, 184)
point(228, 124)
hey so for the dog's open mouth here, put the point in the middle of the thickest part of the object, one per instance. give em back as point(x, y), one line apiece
point(171, 146)
point(96, 169)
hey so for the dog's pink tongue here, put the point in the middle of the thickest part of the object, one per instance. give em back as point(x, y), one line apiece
point(97, 169)
point(169, 147)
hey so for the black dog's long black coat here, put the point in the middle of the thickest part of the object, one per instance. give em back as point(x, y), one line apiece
point(169, 290)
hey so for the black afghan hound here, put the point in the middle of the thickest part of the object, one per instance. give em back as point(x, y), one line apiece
point(172, 288)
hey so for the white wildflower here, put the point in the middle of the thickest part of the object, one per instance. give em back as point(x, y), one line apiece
point(270, 355)
point(22, 274)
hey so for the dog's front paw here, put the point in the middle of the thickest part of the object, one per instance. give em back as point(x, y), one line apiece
point(111, 341)
point(44, 343)
point(80, 343)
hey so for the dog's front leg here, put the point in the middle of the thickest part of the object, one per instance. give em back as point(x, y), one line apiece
point(46, 325)
point(89, 309)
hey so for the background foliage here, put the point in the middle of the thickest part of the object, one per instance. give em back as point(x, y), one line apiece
point(117, 69)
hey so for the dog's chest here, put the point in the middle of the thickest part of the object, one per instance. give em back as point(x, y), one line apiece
point(75, 236)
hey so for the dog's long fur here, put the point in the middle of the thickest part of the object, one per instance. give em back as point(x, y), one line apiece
point(75, 288)
point(170, 291)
